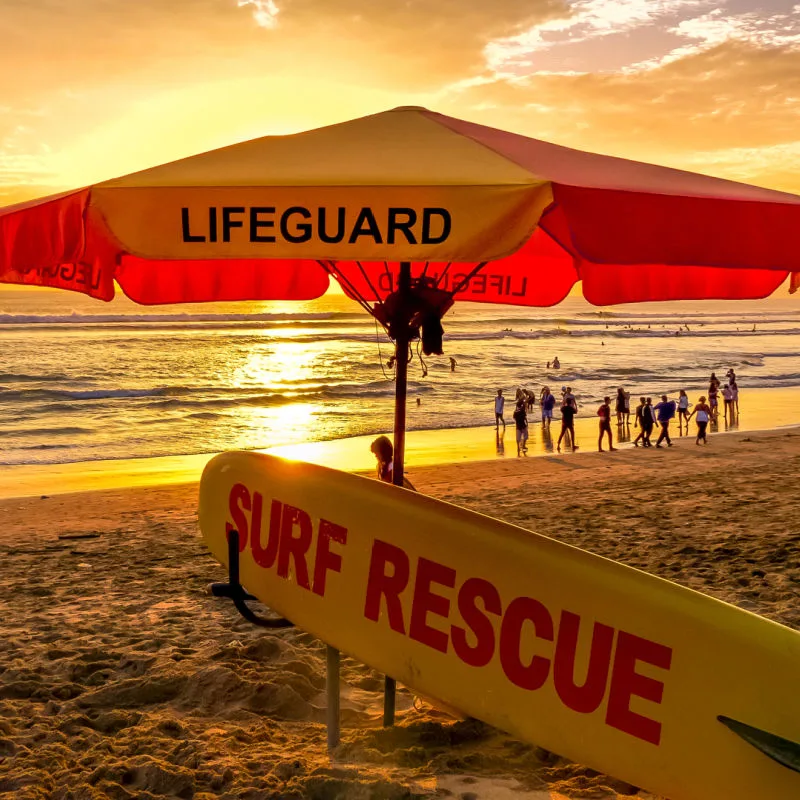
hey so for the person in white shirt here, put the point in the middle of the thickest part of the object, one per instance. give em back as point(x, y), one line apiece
point(499, 405)
point(703, 411)
point(683, 411)
point(727, 396)
point(734, 396)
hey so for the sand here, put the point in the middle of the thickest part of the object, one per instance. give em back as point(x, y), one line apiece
point(120, 677)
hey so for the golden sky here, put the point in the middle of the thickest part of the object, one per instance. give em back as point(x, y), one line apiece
point(91, 89)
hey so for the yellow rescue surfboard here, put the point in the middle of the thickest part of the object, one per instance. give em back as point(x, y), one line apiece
point(658, 685)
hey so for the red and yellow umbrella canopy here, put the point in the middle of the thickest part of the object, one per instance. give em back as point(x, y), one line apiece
point(272, 217)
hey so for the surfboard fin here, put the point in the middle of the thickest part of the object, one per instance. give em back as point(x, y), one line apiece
point(784, 751)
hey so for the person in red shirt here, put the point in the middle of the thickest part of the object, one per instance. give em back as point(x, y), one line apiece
point(604, 412)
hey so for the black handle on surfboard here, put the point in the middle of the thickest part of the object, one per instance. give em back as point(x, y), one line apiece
point(236, 592)
point(784, 751)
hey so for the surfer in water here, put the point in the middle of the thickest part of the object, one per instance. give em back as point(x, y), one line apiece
point(383, 451)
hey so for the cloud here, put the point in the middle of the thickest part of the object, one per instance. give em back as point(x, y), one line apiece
point(716, 28)
point(265, 12)
point(732, 100)
point(588, 19)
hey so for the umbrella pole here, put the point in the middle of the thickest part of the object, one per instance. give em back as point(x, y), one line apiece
point(401, 343)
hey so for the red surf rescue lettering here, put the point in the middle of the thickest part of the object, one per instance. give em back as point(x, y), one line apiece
point(287, 540)
point(492, 629)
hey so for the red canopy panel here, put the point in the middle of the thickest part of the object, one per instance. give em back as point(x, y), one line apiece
point(611, 284)
point(615, 211)
point(160, 282)
point(540, 274)
point(62, 242)
point(635, 228)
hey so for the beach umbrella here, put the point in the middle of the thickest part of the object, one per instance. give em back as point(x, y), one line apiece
point(409, 210)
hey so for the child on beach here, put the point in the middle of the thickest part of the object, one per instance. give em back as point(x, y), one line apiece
point(703, 412)
point(383, 451)
point(521, 420)
point(604, 412)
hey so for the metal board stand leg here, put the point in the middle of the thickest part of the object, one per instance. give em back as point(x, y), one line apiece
point(388, 702)
point(332, 687)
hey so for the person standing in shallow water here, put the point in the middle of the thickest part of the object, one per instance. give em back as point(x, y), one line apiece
point(499, 405)
point(604, 412)
point(548, 403)
point(620, 406)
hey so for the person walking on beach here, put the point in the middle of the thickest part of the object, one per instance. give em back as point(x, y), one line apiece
point(548, 403)
point(383, 451)
point(637, 423)
point(648, 422)
point(521, 420)
point(569, 398)
point(703, 411)
point(683, 411)
point(499, 404)
point(604, 412)
point(568, 413)
point(665, 411)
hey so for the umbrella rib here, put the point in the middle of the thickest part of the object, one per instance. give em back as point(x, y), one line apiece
point(369, 282)
point(467, 278)
point(331, 269)
point(444, 273)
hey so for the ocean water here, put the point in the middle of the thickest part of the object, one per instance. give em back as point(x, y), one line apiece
point(82, 380)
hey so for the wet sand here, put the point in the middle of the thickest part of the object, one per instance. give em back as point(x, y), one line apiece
point(120, 677)
point(760, 409)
